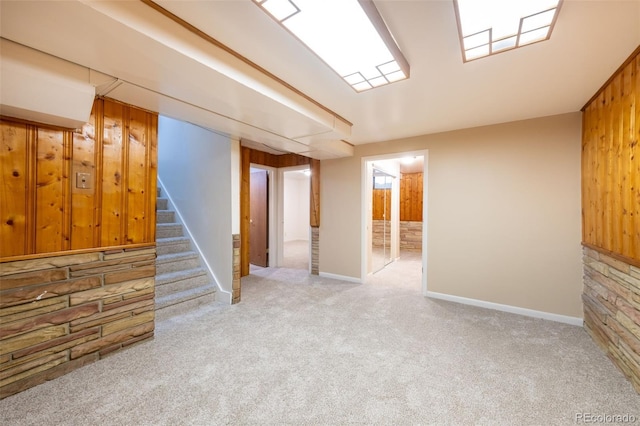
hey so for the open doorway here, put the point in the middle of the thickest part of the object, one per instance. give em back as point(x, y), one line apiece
point(394, 215)
point(295, 250)
point(279, 209)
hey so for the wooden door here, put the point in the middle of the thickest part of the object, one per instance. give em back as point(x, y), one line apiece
point(259, 219)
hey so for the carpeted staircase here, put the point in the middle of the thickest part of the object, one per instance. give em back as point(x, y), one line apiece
point(182, 284)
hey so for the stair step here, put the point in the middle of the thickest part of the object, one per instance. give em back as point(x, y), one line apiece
point(181, 284)
point(172, 245)
point(168, 230)
point(165, 216)
point(162, 203)
point(184, 301)
point(174, 262)
point(178, 281)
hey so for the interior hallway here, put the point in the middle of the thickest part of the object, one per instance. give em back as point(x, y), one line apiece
point(302, 349)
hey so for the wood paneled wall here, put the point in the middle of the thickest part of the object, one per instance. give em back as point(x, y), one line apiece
point(611, 165)
point(381, 200)
point(44, 211)
point(410, 199)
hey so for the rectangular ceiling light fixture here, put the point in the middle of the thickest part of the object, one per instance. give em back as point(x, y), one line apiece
point(487, 27)
point(348, 35)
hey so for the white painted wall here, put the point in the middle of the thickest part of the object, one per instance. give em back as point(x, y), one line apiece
point(195, 167)
point(296, 206)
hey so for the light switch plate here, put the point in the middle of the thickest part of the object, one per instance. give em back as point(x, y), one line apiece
point(83, 180)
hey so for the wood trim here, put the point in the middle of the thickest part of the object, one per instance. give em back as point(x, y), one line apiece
point(621, 258)
point(153, 181)
point(629, 60)
point(78, 251)
point(314, 208)
point(206, 37)
point(245, 191)
point(276, 161)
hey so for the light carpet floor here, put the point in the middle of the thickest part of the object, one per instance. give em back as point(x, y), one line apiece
point(302, 349)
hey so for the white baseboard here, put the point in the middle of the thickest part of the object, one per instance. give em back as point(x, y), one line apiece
point(341, 277)
point(507, 308)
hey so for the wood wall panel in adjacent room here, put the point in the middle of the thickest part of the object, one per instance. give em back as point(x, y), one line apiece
point(411, 197)
point(42, 209)
point(611, 165)
point(381, 202)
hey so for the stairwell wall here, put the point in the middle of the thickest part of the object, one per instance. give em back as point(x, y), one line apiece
point(194, 165)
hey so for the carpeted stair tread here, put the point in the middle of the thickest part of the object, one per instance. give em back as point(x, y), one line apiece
point(183, 296)
point(173, 257)
point(169, 277)
point(167, 230)
point(165, 216)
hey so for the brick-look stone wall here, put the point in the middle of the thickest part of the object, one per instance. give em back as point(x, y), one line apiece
point(379, 232)
point(410, 235)
point(235, 286)
point(612, 310)
point(60, 313)
point(315, 250)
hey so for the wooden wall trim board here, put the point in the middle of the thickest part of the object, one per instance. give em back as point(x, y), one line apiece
point(314, 220)
point(78, 251)
point(276, 161)
point(625, 259)
point(245, 172)
point(611, 165)
point(43, 211)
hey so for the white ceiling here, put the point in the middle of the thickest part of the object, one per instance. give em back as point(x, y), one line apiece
point(590, 40)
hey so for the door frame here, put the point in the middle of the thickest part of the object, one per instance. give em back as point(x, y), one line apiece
point(366, 197)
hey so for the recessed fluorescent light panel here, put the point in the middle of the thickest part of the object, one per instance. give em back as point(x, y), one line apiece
point(348, 35)
point(487, 27)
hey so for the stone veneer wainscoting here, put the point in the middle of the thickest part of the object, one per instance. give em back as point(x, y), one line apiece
point(410, 235)
point(612, 310)
point(60, 313)
point(235, 286)
point(315, 250)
